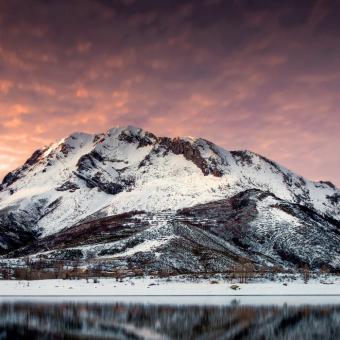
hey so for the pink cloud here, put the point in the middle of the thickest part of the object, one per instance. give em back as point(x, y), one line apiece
point(241, 77)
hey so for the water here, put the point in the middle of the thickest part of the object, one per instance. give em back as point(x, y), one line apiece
point(170, 318)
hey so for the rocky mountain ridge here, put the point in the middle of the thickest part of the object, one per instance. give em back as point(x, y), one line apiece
point(133, 199)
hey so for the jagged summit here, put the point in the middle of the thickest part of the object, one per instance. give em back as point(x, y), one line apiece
point(126, 158)
point(88, 177)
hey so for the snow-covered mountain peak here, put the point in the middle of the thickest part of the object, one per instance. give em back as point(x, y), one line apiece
point(128, 168)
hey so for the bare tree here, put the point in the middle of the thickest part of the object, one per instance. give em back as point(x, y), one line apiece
point(305, 272)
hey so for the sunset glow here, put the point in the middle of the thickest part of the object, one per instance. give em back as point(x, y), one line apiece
point(257, 75)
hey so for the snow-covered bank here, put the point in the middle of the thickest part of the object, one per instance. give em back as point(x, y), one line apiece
point(149, 287)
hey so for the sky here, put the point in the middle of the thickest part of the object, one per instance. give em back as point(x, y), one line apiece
point(246, 74)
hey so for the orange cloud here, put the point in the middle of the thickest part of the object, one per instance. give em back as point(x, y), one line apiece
point(13, 123)
point(82, 93)
point(242, 76)
point(5, 86)
point(84, 46)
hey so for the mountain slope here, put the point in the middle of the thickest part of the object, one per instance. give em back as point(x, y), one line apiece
point(83, 180)
point(253, 226)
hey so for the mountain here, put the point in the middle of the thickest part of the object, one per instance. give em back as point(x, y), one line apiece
point(129, 199)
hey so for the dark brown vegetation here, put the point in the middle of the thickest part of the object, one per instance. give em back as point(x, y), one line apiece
point(57, 269)
point(42, 269)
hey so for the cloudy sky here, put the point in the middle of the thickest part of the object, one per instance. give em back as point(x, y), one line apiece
point(258, 75)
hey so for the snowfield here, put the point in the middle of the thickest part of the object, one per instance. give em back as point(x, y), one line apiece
point(174, 287)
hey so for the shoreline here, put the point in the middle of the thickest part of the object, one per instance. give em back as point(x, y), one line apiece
point(212, 300)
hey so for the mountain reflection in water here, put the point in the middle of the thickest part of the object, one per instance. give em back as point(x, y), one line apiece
point(120, 320)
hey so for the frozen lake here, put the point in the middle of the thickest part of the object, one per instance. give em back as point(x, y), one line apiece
point(170, 317)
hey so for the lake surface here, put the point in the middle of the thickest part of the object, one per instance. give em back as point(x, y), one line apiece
point(170, 318)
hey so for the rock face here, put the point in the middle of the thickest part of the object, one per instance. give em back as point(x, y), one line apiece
point(135, 200)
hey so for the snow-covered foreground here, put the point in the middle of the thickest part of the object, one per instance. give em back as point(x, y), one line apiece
point(175, 287)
